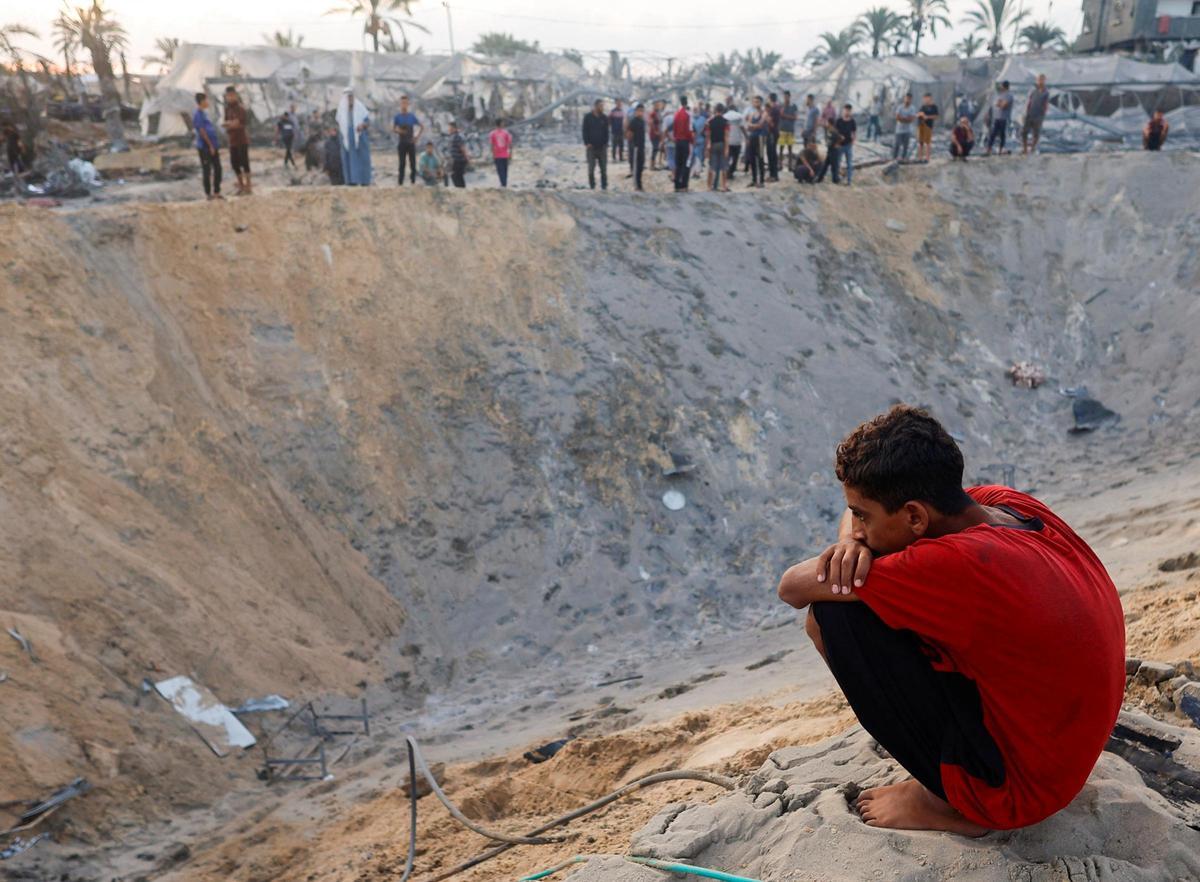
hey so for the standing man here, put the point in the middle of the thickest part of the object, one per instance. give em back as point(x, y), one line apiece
point(828, 114)
point(1154, 135)
point(788, 115)
point(950, 607)
point(1001, 117)
point(595, 139)
point(459, 157)
point(501, 140)
point(15, 150)
point(354, 125)
point(927, 117)
point(206, 144)
point(239, 139)
point(408, 131)
point(681, 131)
point(635, 131)
point(812, 116)
point(1035, 114)
point(774, 118)
point(873, 127)
point(847, 135)
point(906, 118)
point(616, 125)
point(699, 122)
point(736, 137)
point(757, 125)
point(656, 121)
point(285, 129)
point(716, 135)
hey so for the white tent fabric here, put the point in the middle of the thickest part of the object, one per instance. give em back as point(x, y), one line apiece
point(1091, 72)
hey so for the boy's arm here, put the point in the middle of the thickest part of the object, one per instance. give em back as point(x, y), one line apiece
point(829, 574)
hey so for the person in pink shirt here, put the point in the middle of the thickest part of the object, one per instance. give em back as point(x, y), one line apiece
point(502, 141)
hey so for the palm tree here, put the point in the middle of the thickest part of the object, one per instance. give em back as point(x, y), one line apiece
point(878, 25)
point(64, 43)
point(165, 49)
point(991, 17)
point(29, 104)
point(1043, 35)
point(834, 46)
point(926, 15)
point(380, 16)
point(968, 46)
point(92, 28)
point(284, 41)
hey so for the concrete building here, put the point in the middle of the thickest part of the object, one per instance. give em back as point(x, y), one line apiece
point(1129, 24)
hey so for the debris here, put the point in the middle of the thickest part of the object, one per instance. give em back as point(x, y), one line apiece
point(681, 464)
point(1073, 391)
point(42, 202)
point(41, 810)
point(1187, 701)
point(24, 641)
point(1027, 374)
point(546, 751)
point(1090, 414)
point(85, 172)
point(1188, 561)
point(896, 226)
point(617, 680)
point(327, 252)
point(674, 500)
point(3, 676)
point(259, 705)
point(19, 845)
point(210, 719)
point(1095, 296)
point(241, 228)
point(130, 160)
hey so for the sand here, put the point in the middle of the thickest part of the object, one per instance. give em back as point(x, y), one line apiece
point(411, 446)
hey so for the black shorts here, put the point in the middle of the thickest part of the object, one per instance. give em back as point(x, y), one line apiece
point(239, 158)
point(921, 716)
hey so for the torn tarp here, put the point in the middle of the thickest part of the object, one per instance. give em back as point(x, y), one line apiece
point(210, 719)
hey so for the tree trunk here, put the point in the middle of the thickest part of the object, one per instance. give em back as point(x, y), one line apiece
point(102, 65)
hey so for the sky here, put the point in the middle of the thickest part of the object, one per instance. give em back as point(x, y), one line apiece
point(683, 29)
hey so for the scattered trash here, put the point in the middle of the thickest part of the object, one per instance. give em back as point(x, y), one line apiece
point(674, 500)
point(3, 676)
point(546, 751)
point(42, 202)
point(328, 252)
point(85, 172)
point(37, 812)
point(259, 705)
point(25, 644)
point(1073, 391)
point(895, 226)
point(210, 719)
point(1027, 374)
point(1095, 296)
point(1090, 415)
point(19, 845)
point(681, 464)
point(241, 228)
point(616, 680)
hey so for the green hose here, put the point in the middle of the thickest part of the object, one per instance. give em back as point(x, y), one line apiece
point(686, 869)
point(690, 870)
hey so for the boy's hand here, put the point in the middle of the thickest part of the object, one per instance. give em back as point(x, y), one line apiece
point(844, 565)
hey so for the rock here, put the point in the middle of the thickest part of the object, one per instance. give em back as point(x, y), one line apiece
point(1187, 701)
point(895, 226)
point(1132, 665)
point(1152, 673)
point(1173, 684)
point(765, 800)
point(1185, 669)
point(798, 796)
point(775, 785)
point(1188, 561)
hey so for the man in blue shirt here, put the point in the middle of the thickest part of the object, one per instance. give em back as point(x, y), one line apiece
point(207, 144)
point(408, 131)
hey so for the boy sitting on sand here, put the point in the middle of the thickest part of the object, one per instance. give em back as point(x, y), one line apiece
point(976, 637)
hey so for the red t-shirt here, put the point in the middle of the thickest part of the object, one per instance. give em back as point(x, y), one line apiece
point(501, 143)
point(1034, 619)
point(681, 126)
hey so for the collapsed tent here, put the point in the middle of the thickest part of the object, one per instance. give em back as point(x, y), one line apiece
point(270, 79)
point(862, 81)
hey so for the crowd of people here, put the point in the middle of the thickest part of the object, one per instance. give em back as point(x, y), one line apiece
point(764, 137)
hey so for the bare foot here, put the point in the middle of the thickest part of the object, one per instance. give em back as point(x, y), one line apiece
point(909, 805)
